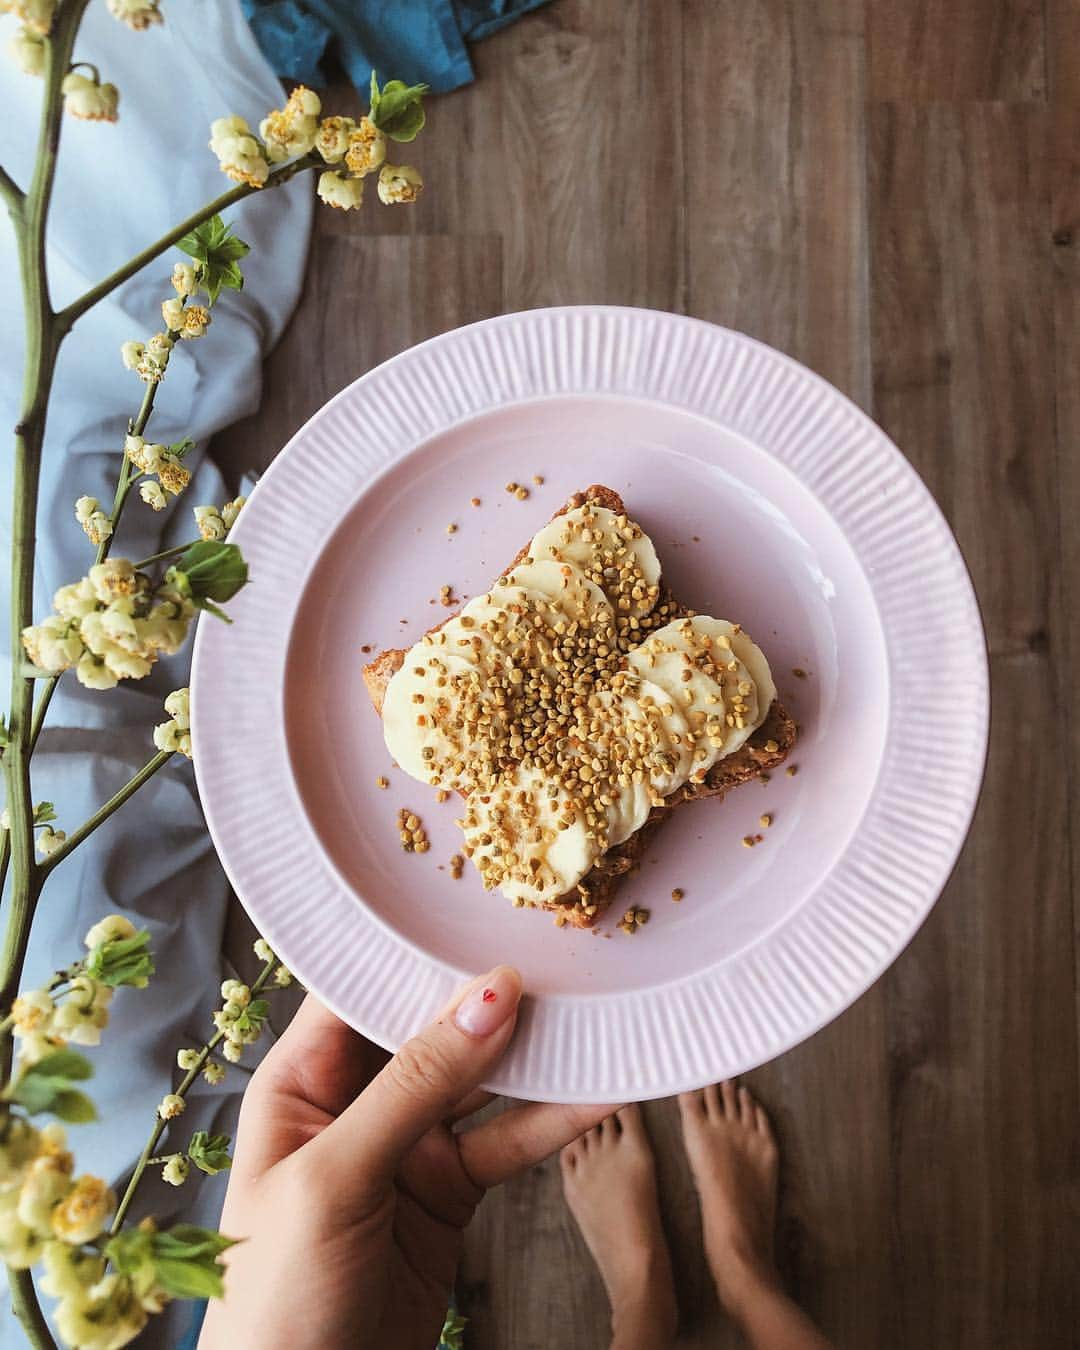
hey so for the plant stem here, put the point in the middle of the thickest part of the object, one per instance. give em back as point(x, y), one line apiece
point(165, 553)
point(123, 481)
point(104, 812)
point(10, 191)
point(181, 1091)
point(26, 1308)
point(48, 688)
point(67, 317)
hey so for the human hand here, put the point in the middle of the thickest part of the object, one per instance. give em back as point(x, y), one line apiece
point(351, 1186)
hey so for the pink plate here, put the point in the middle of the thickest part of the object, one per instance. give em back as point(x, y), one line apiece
point(773, 502)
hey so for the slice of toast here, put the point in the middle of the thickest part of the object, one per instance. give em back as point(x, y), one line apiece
point(767, 748)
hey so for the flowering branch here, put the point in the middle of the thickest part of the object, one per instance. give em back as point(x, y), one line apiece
point(101, 815)
point(68, 316)
point(202, 1056)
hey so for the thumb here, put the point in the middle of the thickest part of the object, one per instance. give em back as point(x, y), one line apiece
point(423, 1081)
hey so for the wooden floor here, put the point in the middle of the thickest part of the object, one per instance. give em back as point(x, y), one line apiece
point(891, 193)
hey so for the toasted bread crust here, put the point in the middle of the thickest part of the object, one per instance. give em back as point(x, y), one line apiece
point(747, 763)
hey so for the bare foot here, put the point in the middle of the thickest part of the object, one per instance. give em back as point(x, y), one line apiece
point(609, 1180)
point(734, 1159)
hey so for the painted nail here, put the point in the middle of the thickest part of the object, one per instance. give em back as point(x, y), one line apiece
point(489, 1002)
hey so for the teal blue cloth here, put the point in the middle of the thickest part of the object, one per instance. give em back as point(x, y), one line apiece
point(418, 41)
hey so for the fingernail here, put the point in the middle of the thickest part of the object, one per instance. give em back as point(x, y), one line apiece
point(489, 1003)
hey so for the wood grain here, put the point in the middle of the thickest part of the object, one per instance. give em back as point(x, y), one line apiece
point(891, 193)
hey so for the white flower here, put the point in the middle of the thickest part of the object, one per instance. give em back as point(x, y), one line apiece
point(344, 193)
point(291, 131)
point(37, 1045)
point(131, 353)
point(236, 992)
point(113, 578)
point(171, 738)
point(232, 1050)
point(231, 510)
point(183, 279)
point(20, 1245)
point(32, 1011)
point(18, 1150)
point(262, 950)
point(86, 99)
point(76, 600)
point(36, 14)
point(49, 840)
point(84, 1013)
point(332, 138)
point(178, 705)
point(170, 1106)
point(53, 644)
point(96, 524)
point(209, 523)
point(27, 49)
point(93, 673)
point(107, 1317)
point(153, 495)
point(196, 321)
point(47, 1181)
point(155, 358)
point(283, 977)
point(172, 474)
point(172, 314)
point(111, 928)
point(213, 1072)
point(399, 183)
point(69, 1272)
point(137, 14)
point(80, 1216)
point(187, 1059)
point(175, 1170)
point(239, 154)
point(367, 148)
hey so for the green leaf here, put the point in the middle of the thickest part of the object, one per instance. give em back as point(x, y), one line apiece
point(43, 813)
point(209, 571)
point(397, 109)
point(452, 1334)
point(67, 1064)
point(73, 1106)
point(121, 961)
point(186, 1260)
point(180, 448)
point(130, 1250)
point(210, 1152)
point(219, 251)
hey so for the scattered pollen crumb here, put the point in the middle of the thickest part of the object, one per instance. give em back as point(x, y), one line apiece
point(451, 528)
point(696, 538)
point(366, 647)
point(382, 782)
point(677, 894)
point(792, 770)
point(538, 479)
point(748, 841)
point(798, 672)
point(511, 487)
point(446, 597)
point(474, 501)
point(521, 493)
point(763, 779)
point(457, 865)
point(442, 795)
point(765, 821)
point(771, 747)
point(411, 832)
point(633, 919)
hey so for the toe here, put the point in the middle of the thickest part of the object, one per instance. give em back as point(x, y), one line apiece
point(631, 1122)
point(730, 1099)
point(762, 1123)
point(746, 1108)
point(714, 1105)
point(568, 1156)
point(692, 1104)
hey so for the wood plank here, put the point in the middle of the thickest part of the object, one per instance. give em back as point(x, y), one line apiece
point(365, 299)
point(775, 174)
point(983, 1081)
point(925, 51)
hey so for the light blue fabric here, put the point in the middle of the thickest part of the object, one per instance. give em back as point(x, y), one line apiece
point(118, 188)
point(418, 41)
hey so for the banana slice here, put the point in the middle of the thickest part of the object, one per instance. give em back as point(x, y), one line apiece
point(528, 837)
point(426, 710)
point(612, 551)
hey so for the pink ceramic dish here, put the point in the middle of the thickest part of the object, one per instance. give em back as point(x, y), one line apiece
point(773, 502)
